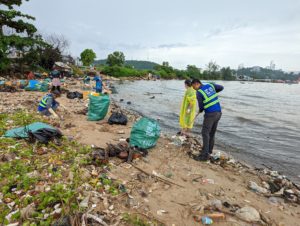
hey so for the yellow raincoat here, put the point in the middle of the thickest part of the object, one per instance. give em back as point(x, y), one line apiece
point(186, 119)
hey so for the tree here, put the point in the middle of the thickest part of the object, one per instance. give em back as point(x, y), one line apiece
point(59, 42)
point(23, 35)
point(49, 56)
point(193, 71)
point(165, 64)
point(226, 74)
point(116, 59)
point(87, 57)
point(212, 70)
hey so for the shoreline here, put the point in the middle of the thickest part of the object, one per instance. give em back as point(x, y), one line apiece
point(164, 201)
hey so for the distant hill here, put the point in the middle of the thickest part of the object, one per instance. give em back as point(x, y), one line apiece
point(137, 64)
point(265, 73)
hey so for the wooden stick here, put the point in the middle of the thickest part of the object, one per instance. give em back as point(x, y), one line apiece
point(158, 177)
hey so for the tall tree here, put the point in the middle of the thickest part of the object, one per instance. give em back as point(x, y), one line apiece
point(116, 59)
point(213, 70)
point(87, 57)
point(23, 34)
point(226, 74)
point(193, 71)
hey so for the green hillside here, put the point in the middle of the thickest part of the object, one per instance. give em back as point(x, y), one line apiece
point(137, 64)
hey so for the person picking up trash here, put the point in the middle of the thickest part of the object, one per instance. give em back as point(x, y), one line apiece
point(99, 84)
point(55, 74)
point(87, 80)
point(188, 109)
point(48, 105)
point(208, 102)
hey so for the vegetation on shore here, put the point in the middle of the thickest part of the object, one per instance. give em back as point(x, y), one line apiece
point(116, 66)
point(40, 183)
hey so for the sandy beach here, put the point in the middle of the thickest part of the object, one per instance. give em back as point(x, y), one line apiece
point(168, 187)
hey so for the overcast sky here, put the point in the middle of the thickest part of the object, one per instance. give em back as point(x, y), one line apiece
point(231, 32)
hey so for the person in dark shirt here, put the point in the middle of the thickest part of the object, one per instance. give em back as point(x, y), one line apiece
point(56, 75)
point(208, 102)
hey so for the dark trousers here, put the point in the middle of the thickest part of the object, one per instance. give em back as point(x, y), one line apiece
point(209, 129)
point(56, 88)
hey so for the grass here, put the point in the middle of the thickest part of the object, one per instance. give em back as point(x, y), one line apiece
point(38, 174)
point(137, 220)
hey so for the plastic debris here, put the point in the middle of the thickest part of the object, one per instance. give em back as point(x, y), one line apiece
point(256, 188)
point(207, 221)
point(161, 212)
point(249, 214)
point(208, 181)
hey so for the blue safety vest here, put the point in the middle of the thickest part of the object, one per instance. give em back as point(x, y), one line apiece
point(211, 101)
point(43, 102)
point(98, 84)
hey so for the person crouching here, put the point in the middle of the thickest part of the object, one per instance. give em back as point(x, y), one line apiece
point(48, 105)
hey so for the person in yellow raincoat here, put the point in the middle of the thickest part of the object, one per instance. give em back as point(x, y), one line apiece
point(188, 108)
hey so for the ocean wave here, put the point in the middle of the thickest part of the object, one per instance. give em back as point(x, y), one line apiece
point(254, 96)
point(248, 120)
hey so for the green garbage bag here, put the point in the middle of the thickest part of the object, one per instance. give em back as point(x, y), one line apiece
point(48, 80)
point(145, 133)
point(44, 87)
point(98, 107)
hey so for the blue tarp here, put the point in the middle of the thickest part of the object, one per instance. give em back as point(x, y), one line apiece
point(21, 132)
point(33, 85)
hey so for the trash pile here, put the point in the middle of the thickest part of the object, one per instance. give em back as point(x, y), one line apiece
point(144, 135)
point(218, 211)
point(8, 89)
point(273, 185)
point(276, 187)
point(121, 150)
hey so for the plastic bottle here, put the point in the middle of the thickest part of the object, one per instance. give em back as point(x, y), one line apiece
point(207, 221)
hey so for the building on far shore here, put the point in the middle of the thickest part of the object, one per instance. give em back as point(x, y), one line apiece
point(243, 78)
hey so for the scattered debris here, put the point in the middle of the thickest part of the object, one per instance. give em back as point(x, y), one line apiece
point(248, 214)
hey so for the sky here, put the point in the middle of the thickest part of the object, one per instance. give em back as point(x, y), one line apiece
point(182, 32)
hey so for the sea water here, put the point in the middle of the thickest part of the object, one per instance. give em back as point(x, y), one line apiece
point(260, 122)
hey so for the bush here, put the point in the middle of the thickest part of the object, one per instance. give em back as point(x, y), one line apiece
point(118, 71)
point(76, 70)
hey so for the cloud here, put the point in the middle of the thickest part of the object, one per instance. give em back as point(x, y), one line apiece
point(174, 45)
point(181, 32)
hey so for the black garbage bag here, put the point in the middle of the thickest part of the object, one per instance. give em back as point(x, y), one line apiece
point(118, 118)
point(73, 95)
point(79, 95)
point(44, 135)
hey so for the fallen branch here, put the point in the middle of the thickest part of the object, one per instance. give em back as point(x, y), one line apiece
point(158, 177)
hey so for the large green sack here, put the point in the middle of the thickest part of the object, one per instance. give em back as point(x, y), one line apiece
point(21, 132)
point(98, 107)
point(145, 133)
